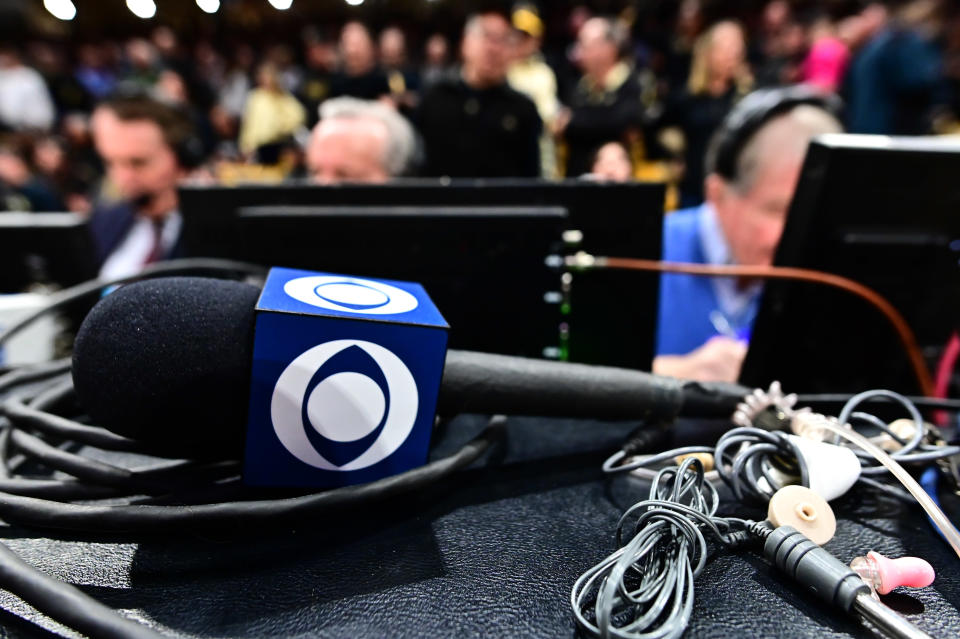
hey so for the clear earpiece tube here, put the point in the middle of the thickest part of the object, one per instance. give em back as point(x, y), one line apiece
point(805, 422)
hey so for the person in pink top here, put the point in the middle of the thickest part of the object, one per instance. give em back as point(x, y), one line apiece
point(828, 58)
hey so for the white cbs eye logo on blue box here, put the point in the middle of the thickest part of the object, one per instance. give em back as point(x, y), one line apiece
point(345, 378)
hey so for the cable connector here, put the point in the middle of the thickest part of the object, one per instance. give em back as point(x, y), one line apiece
point(833, 582)
point(646, 438)
point(581, 260)
point(812, 566)
point(760, 401)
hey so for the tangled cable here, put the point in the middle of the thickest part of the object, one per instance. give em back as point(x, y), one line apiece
point(44, 483)
point(161, 495)
point(645, 589)
point(755, 463)
point(912, 450)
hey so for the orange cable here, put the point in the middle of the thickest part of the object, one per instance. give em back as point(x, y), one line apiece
point(904, 332)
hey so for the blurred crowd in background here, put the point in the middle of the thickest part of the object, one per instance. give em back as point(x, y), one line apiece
point(517, 91)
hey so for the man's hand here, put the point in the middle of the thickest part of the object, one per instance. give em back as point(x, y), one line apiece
point(719, 360)
point(560, 122)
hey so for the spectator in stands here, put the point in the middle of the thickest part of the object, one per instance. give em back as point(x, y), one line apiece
point(360, 141)
point(895, 79)
point(702, 321)
point(402, 77)
point(52, 166)
point(83, 162)
point(436, 61)
point(171, 88)
point(50, 160)
point(271, 115)
point(25, 102)
point(359, 76)
point(142, 67)
point(23, 188)
point(565, 64)
point(783, 62)
point(679, 54)
point(775, 19)
point(289, 73)
point(532, 76)
point(719, 76)
point(94, 72)
point(147, 148)
point(611, 163)
point(476, 125)
point(828, 58)
point(67, 93)
point(320, 56)
point(606, 104)
point(236, 87)
point(167, 46)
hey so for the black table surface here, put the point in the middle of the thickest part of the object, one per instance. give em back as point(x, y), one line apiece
point(492, 552)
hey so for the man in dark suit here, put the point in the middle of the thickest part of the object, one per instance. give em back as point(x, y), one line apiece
point(147, 147)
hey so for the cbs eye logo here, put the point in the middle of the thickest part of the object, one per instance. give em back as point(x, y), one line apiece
point(344, 405)
point(350, 295)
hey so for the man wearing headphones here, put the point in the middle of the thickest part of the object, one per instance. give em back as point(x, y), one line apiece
point(753, 165)
point(147, 147)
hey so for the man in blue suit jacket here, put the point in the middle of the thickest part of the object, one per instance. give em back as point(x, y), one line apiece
point(704, 323)
point(145, 146)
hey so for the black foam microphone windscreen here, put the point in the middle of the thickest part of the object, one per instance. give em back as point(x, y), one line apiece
point(167, 362)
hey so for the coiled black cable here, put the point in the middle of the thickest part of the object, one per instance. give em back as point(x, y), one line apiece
point(44, 484)
point(29, 434)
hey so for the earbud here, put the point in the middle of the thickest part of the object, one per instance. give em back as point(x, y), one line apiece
point(805, 511)
point(705, 458)
point(832, 469)
point(905, 429)
point(883, 574)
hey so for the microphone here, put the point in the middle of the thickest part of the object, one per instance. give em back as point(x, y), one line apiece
point(142, 201)
point(168, 362)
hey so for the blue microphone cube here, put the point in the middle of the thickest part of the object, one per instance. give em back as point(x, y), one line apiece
point(345, 378)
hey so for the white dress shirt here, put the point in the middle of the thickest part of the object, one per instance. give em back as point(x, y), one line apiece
point(132, 253)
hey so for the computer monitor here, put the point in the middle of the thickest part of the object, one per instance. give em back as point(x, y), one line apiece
point(605, 318)
point(881, 211)
point(53, 248)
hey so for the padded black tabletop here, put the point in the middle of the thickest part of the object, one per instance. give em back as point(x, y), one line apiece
point(492, 552)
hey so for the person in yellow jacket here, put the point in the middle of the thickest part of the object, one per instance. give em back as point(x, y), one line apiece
point(270, 114)
point(531, 76)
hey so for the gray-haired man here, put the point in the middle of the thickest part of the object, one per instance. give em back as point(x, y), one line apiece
point(360, 141)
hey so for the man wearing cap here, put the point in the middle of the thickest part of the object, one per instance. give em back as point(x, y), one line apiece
point(532, 76)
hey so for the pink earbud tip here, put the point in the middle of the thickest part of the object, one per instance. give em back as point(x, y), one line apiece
point(911, 572)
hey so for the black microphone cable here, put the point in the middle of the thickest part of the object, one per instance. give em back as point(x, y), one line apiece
point(39, 424)
point(165, 495)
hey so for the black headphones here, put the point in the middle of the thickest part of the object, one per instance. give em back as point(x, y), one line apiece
point(749, 116)
point(190, 150)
